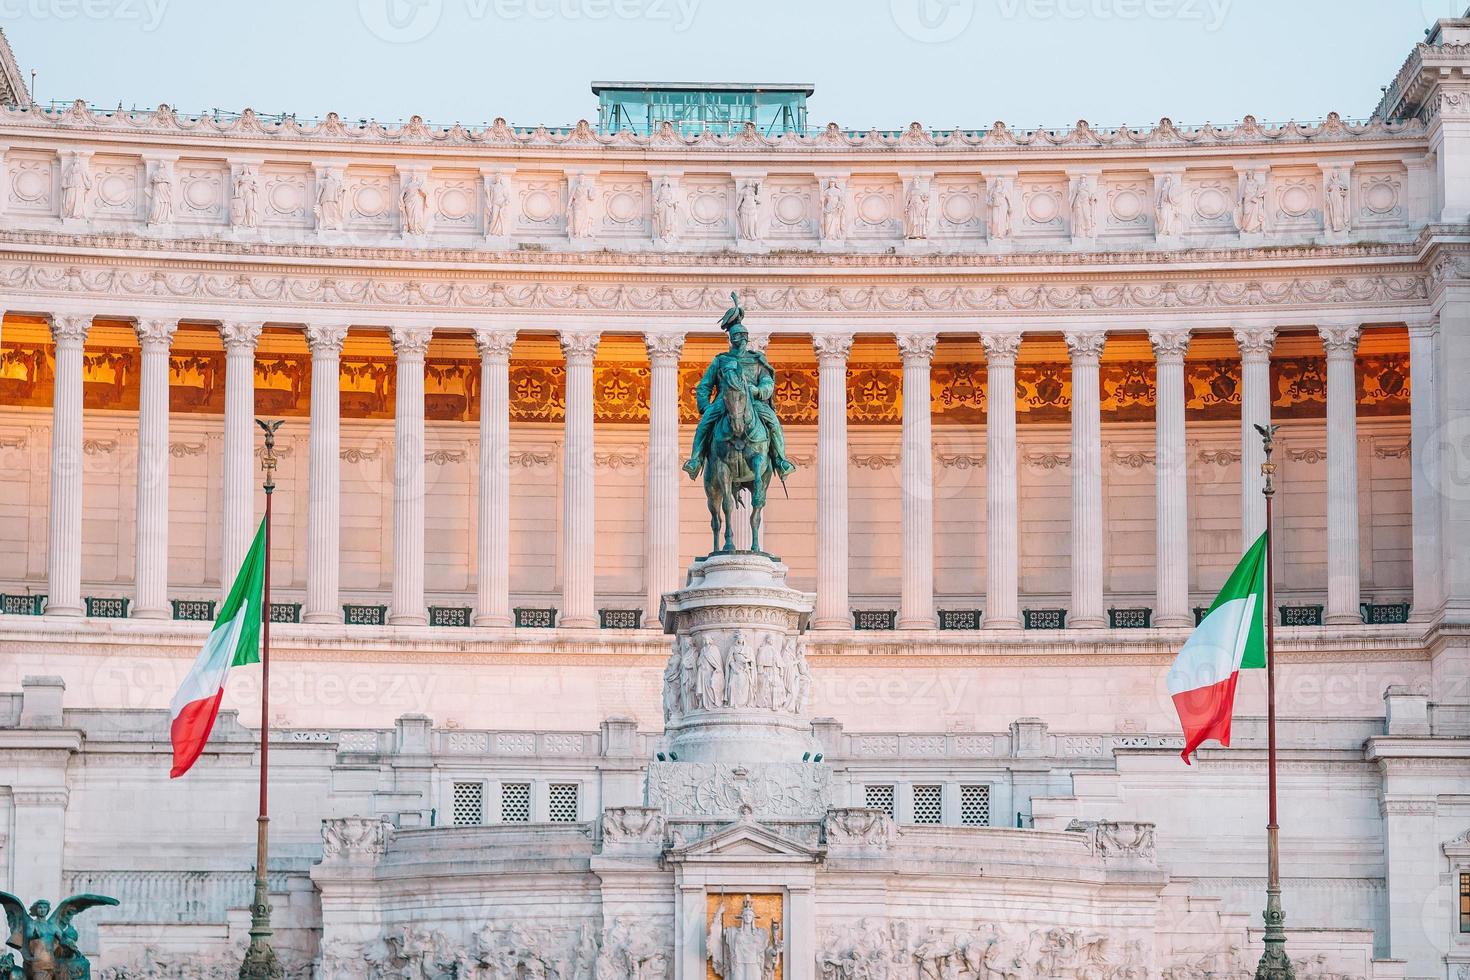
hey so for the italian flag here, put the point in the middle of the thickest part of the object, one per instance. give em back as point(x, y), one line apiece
point(1231, 637)
point(234, 642)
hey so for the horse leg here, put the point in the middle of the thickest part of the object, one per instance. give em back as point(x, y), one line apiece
point(760, 468)
point(728, 501)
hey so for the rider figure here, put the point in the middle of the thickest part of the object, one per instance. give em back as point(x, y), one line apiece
point(760, 380)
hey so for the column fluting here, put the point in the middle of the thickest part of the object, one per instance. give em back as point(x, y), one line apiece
point(150, 557)
point(1256, 344)
point(579, 502)
point(662, 529)
point(1340, 342)
point(1423, 409)
point(1171, 502)
point(324, 476)
point(492, 600)
point(916, 606)
point(832, 610)
point(1002, 551)
point(237, 523)
point(64, 561)
point(1086, 348)
point(409, 346)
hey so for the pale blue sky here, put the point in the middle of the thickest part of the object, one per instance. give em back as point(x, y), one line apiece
point(874, 62)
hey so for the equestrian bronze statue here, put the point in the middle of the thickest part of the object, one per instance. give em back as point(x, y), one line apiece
point(739, 444)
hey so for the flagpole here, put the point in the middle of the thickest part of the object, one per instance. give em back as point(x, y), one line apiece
point(260, 958)
point(1275, 964)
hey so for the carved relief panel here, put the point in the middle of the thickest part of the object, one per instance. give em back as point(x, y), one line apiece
point(1379, 196)
point(710, 205)
point(117, 188)
point(371, 200)
point(454, 202)
point(1041, 206)
point(626, 210)
point(33, 182)
point(1209, 202)
point(792, 208)
point(1296, 199)
point(1126, 205)
point(201, 191)
point(543, 204)
point(285, 196)
point(877, 209)
point(957, 206)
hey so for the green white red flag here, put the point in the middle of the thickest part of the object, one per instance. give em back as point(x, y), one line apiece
point(1230, 638)
point(234, 642)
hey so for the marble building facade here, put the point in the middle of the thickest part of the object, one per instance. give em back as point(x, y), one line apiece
point(484, 344)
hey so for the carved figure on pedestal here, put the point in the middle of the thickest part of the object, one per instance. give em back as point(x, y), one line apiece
point(414, 203)
point(739, 673)
point(584, 956)
point(580, 197)
point(1338, 202)
point(46, 939)
point(710, 685)
point(688, 674)
point(1250, 214)
point(1167, 201)
point(674, 684)
point(497, 205)
point(790, 676)
point(739, 442)
point(665, 211)
point(834, 205)
point(329, 196)
point(998, 197)
point(1084, 208)
point(76, 184)
point(770, 688)
point(245, 199)
point(916, 211)
point(744, 951)
point(748, 210)
point(161, 194)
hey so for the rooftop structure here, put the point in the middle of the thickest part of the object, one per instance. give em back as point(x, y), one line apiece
point(695, 107)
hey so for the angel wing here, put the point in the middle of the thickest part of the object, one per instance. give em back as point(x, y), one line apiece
point(15, 920)
point(67, 909)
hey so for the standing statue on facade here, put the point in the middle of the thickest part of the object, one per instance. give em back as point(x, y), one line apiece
point(46, 939)
point(739, 443)
point(745, 951)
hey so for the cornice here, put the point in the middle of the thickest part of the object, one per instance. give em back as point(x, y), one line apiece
point(249, 127)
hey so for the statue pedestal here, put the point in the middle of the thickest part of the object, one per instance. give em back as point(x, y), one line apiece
point(736, 731)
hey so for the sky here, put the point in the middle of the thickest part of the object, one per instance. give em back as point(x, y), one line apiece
point(875, 63)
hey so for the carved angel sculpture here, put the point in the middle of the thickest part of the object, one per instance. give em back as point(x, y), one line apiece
point(46, 939)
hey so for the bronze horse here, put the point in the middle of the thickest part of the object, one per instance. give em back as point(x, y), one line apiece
point(739, 460)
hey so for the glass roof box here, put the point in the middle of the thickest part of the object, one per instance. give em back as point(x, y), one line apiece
point(693, 107)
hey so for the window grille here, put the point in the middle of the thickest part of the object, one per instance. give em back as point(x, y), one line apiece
point(879, 798)
point(975, 806)
point(469, 804)
point(1465, 901)
point(515, 802)
point(562, 805)
point(929, 804)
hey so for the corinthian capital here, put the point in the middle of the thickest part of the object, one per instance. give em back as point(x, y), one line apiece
point(1001, 348)
point(914, 347)
point(410, 341)
point(240, 335)
point(1255, 341)
point(1173, 343)
point(1340, 338)
point(579, 346)
point(832, 346)
point(67, 329)
point(156, 333)
point(1086, 343)
point(495, 344)
point(664, 345)
point(326, 338)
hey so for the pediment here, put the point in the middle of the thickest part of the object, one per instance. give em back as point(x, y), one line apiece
point(745, 840)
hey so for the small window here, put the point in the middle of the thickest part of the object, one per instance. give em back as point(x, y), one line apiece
point(1465, 901)
point(879, 798)
point(515, 802)
point(469, 804)
point(562, 804)
point(929, 804)
point(975, 806)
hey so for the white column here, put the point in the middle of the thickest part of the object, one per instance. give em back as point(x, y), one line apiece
point(1424, 381)
point(64, 562)
point(1002, 596)
point(1255, 345)
point(324, 477)
point(1340, 341)
point(579, 494)
point(1171, 502)
point(150, 559)
point(1086, 348)
point(662, 531)
point(238, 520)
point(409, 347)
point(492, 602)
point(916, 607)
point(833, 610)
